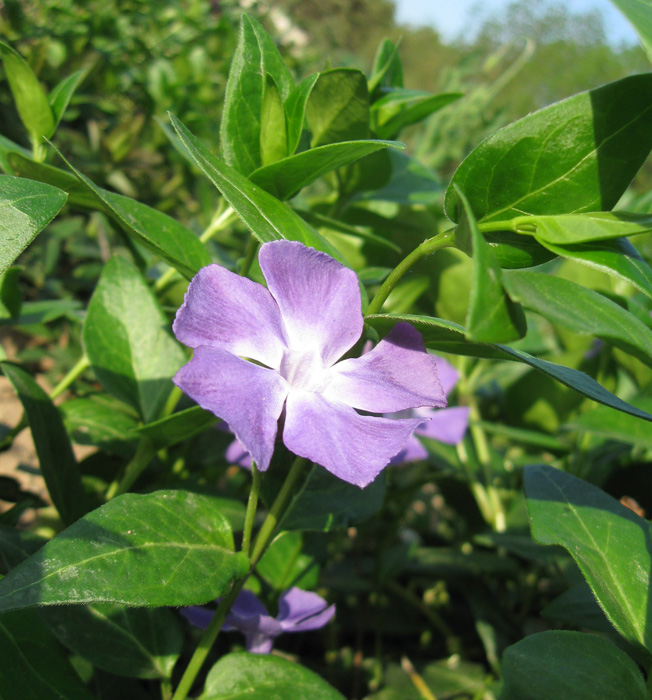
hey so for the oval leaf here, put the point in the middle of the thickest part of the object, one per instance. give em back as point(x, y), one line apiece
point(639, 13)
point(163, 548)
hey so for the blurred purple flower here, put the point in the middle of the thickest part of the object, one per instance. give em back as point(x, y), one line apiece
point(298, 611)
point(262, 352)
point(445, 425)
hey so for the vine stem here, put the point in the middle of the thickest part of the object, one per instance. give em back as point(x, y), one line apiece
point(252, 504)
point(144, 454)
point(250, 255)
point(80, 367)
point(260, 545)
point(446, 239)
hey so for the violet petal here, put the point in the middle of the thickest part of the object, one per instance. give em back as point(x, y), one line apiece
point(259, 643)
point(397, 374)
point(248, 397)
point(446, 425)
point(300, 611)
point(223, 310)
point(354, 448)
point(448, 375)
point(197, 616)
point(235, 453)
point(318, 297)
point(412, 452)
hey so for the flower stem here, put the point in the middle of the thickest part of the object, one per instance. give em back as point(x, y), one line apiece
point(252, 248)
point(220, 221)
point(82, 365)
point(445, 239)
point(207, 641)
point(252, 504)
point(144, 453)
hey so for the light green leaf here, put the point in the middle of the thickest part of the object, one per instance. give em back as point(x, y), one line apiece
point(639, 13)
point(178, 427)
point(255, 57)
point(399, 108)
point(163, 548)
point(56, 459)
point(286, 177)
point(62, 93)
point(580, 228)
point(578, 155)
point(7, 146)
point(581, 310)
point(295, 110)
point(268, 219)
point(607, 423)
point(285, 565)
point(387, 66)
point(26, 208)
point(574, 665)
point(610, 543)
point(128, 341)
point(273, 130)
point(264, 677)
point(30, 98)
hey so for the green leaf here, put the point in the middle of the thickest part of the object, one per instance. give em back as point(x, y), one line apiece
point(580, 228)
point(133, 642)
point(577, 155)
point(62, 93)
point(7, 146)
point(286, 177)
point(264, 677)
point(30, 98)
point(268, 219)
point(273, 130)
point(128, 342)
point(163, 548)
point(26, 208)
point(295, 110)
point(255, 57)
point(574, 665)
point(607, 423)
point(611, 545)
point(617, 258)
point(178, 427)
point(11, 298)
point(285, 565)
point(34, 666)
point(639, 13)
point(56, 459)
point(492, 316)
point(400, 108)
point(157, 231)
point(16, 546)
point(581, 310)
point(447, 336)
point(387, 66)
point(338, 107)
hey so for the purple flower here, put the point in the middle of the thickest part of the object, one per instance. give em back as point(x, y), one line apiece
point(298, 611)
point(446, 425)
point(262, 352)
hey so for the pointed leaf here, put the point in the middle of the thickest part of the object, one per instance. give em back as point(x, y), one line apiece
point(577, 155)
point(607, 423)
point(254, 58)
point(581, 310)
point(178, 427)
point(56, 459)
point(26, 208)
point(295, 110)
point(400, 108)
point(286, 177)
point(268, 219)
point(7, 146)
point(285, 565)
point(387, 66)
point(580, 228)
point(639, 13)
point(611, 545)
point(62, 94)
point(128, 341)
point(273, 130)
point(163, 548)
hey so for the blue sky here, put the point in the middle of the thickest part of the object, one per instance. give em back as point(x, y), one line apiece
point(451, 17)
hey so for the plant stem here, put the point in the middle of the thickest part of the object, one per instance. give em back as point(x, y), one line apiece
point(252, 504)
point(429, 246)
point(82, 365)
point(144, 453)
point(252, 248)
point(220, 221)
point(417, 681)
point(166, 689)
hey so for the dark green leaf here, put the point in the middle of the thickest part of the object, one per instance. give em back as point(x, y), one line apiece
point(29, 96)
point(572, 306)
point(492, 316)
point(447, 562)
point(157, 231)
point(607, 423)
point(399, 108)
point(26, 208)
point(574, 665)
point(62, 93)
point(128, 340)
point(11, 298)
point(7, 146)
point(178, 427)
point(295, 110)
point(273, 130)
point(268, 219)
point(338, 107)
point(134, 642)
point(447, 336)
point(577, 155)
point(255, 57)
point(264, 677)
point(286, 177)
point(163, 548)
point(639, 13)
point(17, 545)
point(56, 459)
point(285, 565)
point(34, 666)
point(611, 544)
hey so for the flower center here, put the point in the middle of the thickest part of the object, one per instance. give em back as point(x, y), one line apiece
point(302, 370)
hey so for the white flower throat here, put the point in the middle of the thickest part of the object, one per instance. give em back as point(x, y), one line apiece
point(303, 369)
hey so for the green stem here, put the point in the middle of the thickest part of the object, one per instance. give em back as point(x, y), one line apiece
point(219, 222)
point(429, 246)
point(519, 224)
point(144, 453)
point(207, 641)
point(166, 689)
point(277, 509)
point(165, 279)
point(250, 255)
point(252, 504)
point(82, 365)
